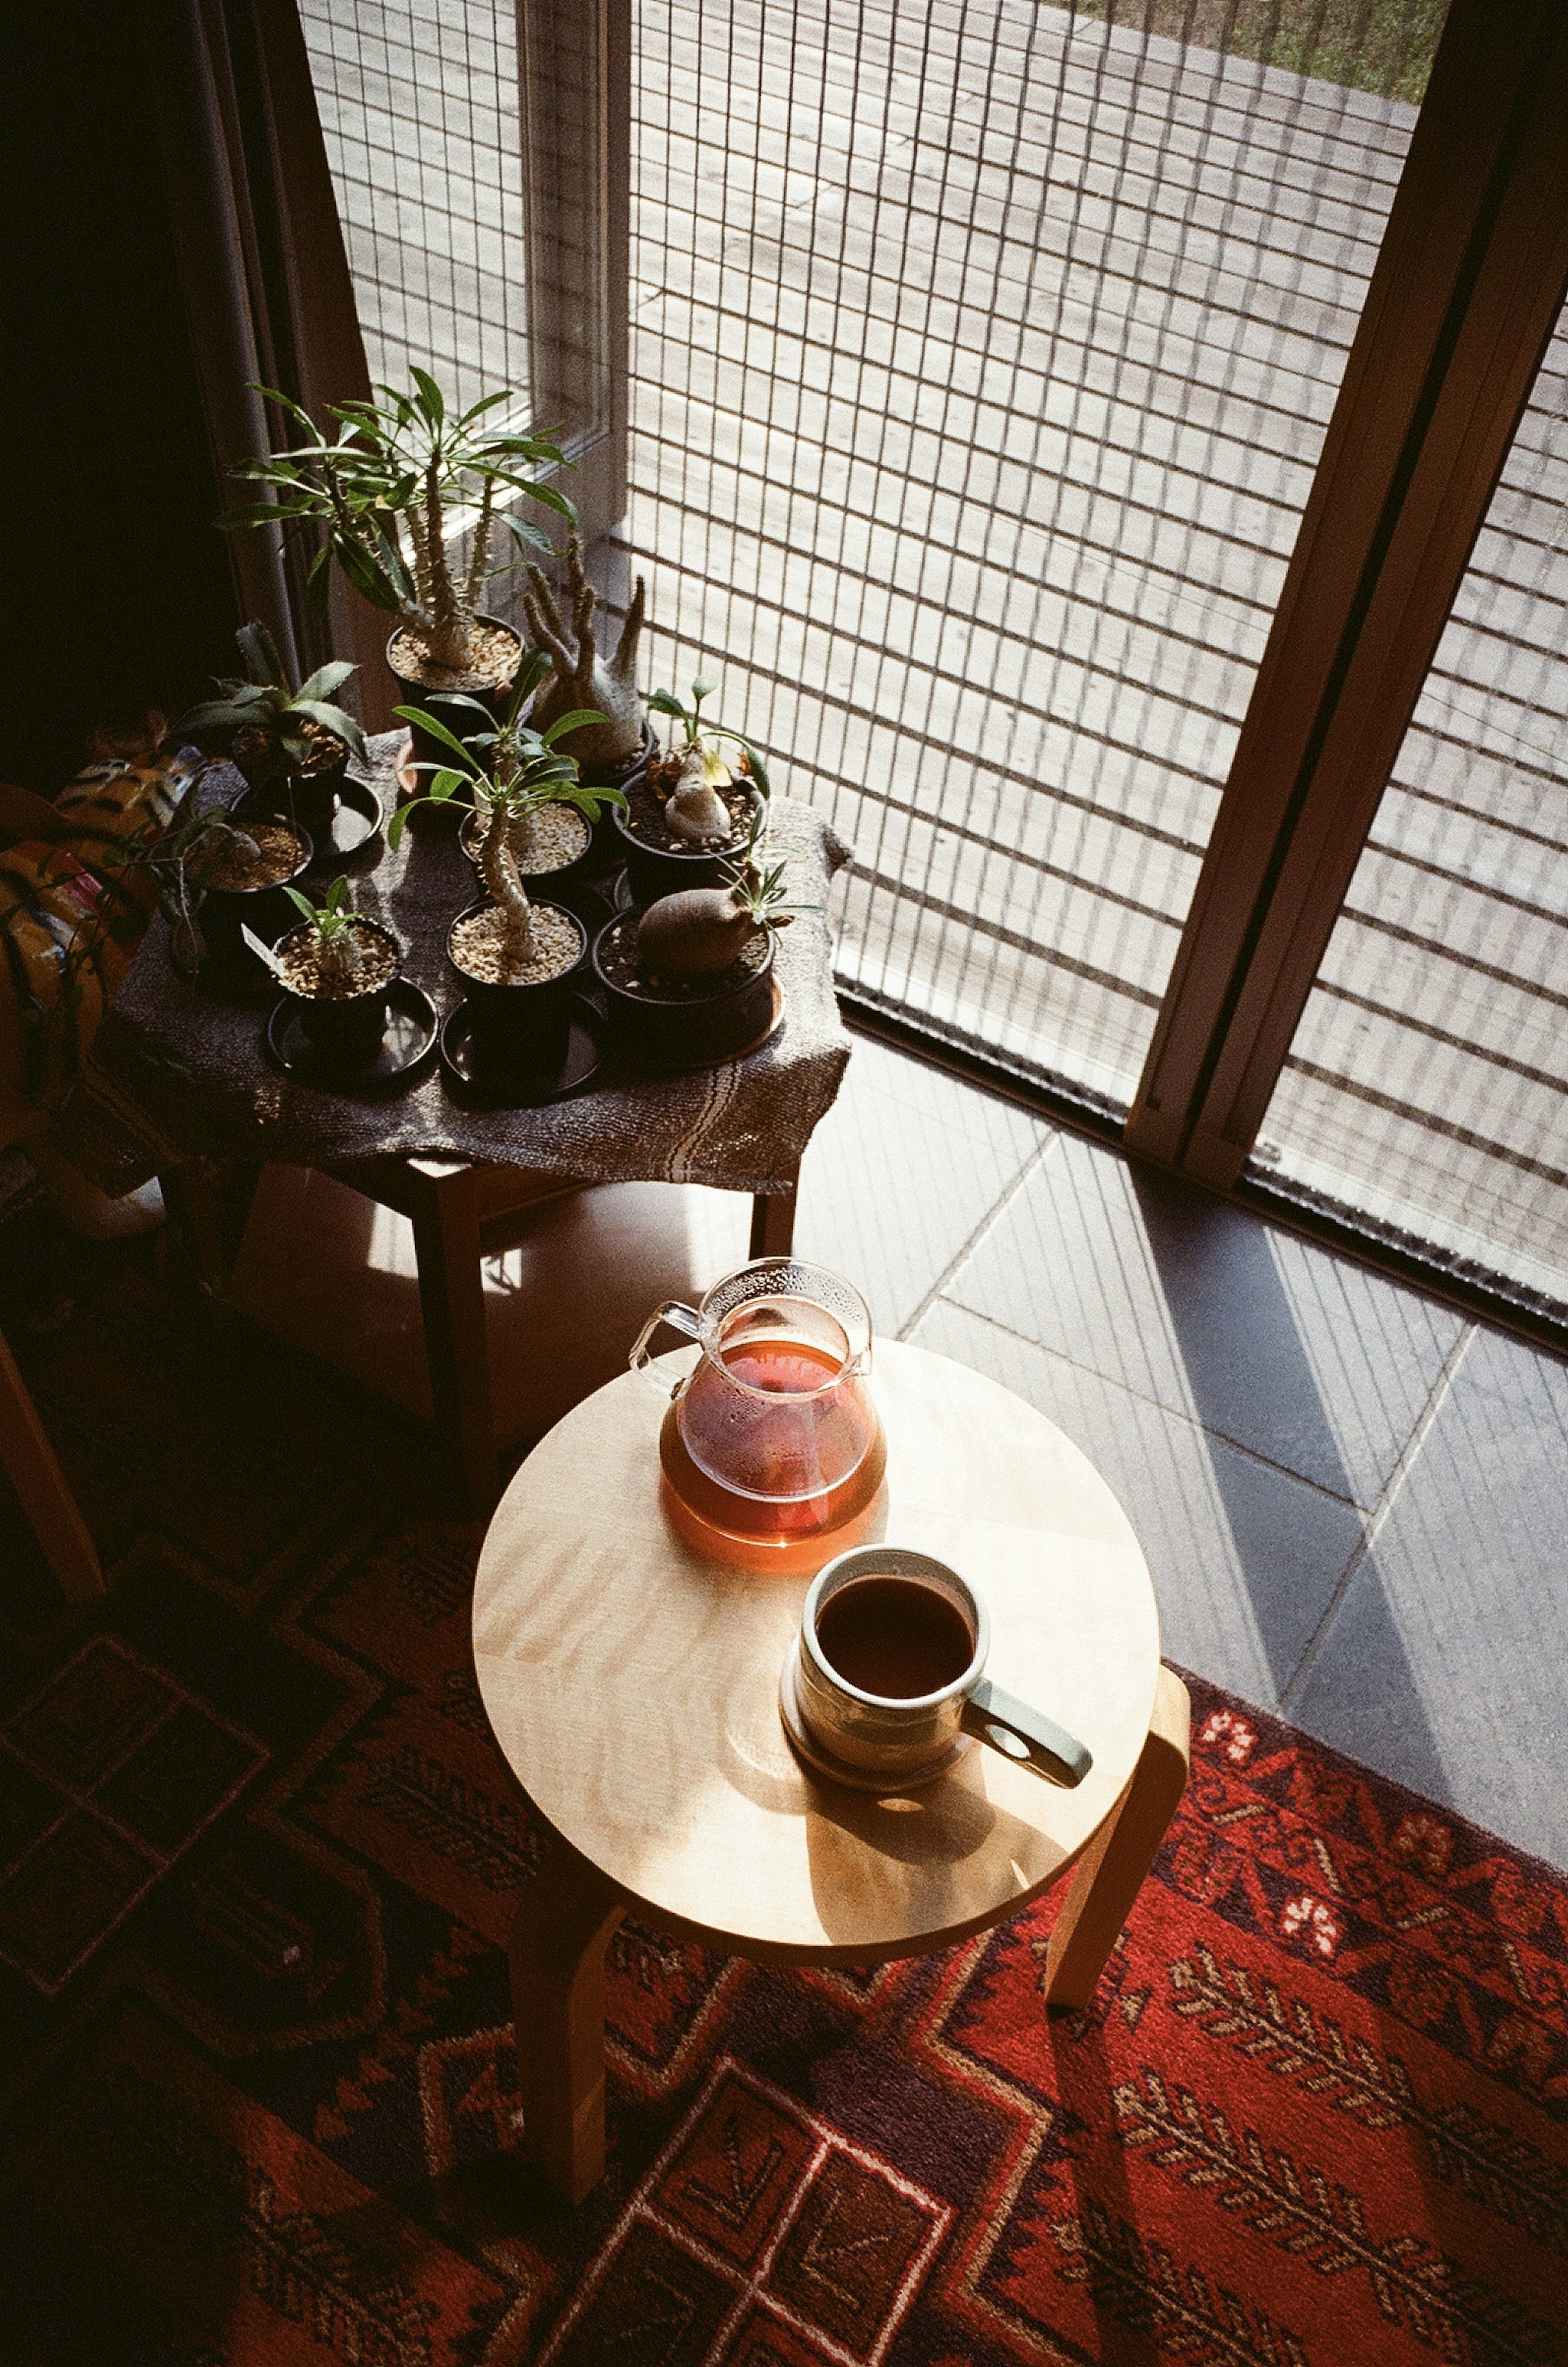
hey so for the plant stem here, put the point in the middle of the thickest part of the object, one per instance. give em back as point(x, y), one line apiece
point(497, 864)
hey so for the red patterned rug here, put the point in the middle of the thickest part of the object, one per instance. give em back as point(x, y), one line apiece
point(260, 1857)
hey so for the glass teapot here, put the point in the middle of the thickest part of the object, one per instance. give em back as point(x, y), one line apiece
point(772, 1437)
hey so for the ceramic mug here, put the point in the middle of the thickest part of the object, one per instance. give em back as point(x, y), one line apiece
point(846, 1693)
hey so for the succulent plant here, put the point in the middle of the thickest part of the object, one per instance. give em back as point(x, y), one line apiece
point(270, 729)
point(580, 678)
point(340, 957)
point(694, 808)
point(527, 772)
point(381, 494)
point(698, 932)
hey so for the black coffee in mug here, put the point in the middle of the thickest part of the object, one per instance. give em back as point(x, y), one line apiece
point(894, 1636)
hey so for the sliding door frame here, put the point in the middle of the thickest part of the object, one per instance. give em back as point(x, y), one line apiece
point(1464, 296)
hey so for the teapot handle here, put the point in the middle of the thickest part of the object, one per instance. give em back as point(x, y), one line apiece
point(680, 1318)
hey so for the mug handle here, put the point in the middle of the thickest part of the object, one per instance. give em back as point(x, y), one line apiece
point(680, 1318)
point(1006, 1723)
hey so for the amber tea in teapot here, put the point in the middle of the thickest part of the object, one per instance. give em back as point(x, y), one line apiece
point(772, 1437)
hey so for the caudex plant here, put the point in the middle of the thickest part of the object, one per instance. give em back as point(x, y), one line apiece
point(580, 678)
point(527, 771)
point(387, 493)
point(271, 730)
point(698, 932)
point(694, 810)
point(342, 962)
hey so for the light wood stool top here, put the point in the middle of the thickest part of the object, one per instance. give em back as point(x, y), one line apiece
point(634, 1686)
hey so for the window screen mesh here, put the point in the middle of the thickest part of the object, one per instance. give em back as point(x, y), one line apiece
point(981, 357)
point(420, 112)
point(1424, 1090)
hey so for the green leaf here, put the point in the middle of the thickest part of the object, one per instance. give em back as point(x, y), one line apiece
point(522, 531)
point(447, 783)
point(485, 403)
point(366, 578)
point(400, 822)
point(430, 399)
point(284, 403)
point(259, 651)
point(436, 729)
point(530, 673)
point(574, 721)
point(554, 501)
point(301, 904)
point(461, 698)
point(663, 702)
point(333, 719)
point(703, 687)
point(325, 679)
point(759, 769)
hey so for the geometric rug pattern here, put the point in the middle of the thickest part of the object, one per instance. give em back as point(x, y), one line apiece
point(259, 2079)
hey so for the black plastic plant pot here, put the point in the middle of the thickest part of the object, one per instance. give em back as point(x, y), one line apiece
point(655, 871)
point(670, 1031)
point(520, 1030)
point(461, 720)
point(265, 911)
point(344, 1027)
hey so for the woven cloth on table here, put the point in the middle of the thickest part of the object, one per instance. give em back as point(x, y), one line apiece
point(176, 1074)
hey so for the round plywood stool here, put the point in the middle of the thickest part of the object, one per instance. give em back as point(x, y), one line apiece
point(633, 1687)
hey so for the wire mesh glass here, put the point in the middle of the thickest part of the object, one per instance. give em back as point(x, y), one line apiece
point(1426, 1090)
point(981, 358)
point(421, 115)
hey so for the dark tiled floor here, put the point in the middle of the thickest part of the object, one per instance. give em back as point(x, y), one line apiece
point(1353, 1500)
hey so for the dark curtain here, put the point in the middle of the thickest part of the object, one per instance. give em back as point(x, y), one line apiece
point(266, 282)
point(116, 594)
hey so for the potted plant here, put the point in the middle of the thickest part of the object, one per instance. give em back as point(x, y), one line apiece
point(208, 866)
point(339, 967)
point(694, 806)
point(551, 842)
point(516, 956)
point(691, 979)
point(292, 746)
point(385, 497)
point(608, 751)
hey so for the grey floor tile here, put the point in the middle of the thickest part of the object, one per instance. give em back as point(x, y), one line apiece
point(1244, 1557)
point(899, 1174)
point(1304, 1358)
point(1447, 1664)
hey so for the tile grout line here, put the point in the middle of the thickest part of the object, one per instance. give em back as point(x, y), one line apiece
point(1032, 1165)
point(1172, 1413)
point(1392, 1488)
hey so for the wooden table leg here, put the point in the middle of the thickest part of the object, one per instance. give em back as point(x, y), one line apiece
point(445, 1218)
point(29, 1461)
point(773, 1221)
point(193, 1205)
point(1111, 1872)
point(562, 1926)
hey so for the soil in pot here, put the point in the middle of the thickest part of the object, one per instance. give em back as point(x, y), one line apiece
point(646, 801)
point(684, 1019)
point(299, 957)
point(235, 870)
point(481, 950)
point(497, 649)
point(558, 838)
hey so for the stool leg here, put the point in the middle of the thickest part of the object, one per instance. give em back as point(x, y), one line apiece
point(562, 1926)
point(446, 1219)
point(1111, 1872)
point(773, 1221)
point(28, 1460)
